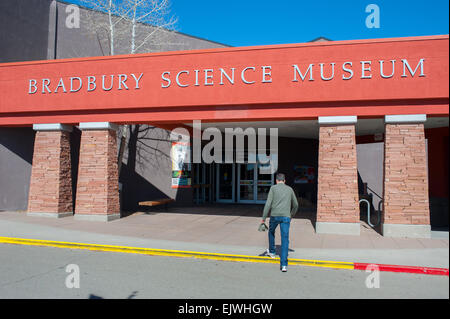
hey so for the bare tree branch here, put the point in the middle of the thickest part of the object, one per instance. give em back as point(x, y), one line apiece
point(136, 24)
point(132, 26)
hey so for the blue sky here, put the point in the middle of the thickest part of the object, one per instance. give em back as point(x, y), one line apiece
point(261, 22)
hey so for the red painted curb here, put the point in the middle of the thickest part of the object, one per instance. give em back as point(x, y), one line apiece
point(405, 269)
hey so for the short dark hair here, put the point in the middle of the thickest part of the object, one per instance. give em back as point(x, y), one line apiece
point(280, 177)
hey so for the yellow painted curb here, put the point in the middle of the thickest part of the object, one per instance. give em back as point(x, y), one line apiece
point(174, 253)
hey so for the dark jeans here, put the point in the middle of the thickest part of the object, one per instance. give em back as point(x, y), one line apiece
point(285, 223)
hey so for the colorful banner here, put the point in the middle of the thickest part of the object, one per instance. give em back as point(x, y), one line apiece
point(181, 167)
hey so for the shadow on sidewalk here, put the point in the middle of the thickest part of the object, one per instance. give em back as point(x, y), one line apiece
point(243, 210)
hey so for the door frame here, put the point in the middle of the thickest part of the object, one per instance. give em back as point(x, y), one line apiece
point(238, 184)
point(255, 185)
point(233, 183)
point(272, 177)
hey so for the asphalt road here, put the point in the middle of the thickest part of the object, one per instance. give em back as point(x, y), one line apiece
point(40, 272)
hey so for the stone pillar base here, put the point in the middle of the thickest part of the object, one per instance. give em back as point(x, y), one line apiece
point(51, 215)
point(97, 196)
point(97, 217)
point(404, 230)
point(51, 181)
point(337, 182)
point(338, 228)
point(406, 211)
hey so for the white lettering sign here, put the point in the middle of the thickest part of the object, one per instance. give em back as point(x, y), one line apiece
point(249, 75)
point(87, 83)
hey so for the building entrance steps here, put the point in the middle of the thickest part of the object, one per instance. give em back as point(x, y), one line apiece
point(230, 229)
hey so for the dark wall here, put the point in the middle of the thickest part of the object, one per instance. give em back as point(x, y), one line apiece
point(75, 139)
point(23, 30)
point(16, 155)
point(438, 176)
point(297, 151)
point(147, 168)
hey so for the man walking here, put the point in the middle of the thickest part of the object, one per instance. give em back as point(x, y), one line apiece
point(282, 204)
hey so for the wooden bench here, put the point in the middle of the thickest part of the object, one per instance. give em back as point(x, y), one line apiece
point(162, 201)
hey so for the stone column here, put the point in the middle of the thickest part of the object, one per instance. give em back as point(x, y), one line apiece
point(406, 210)
point(50, 191)
point(337, 195)
point(97, 195)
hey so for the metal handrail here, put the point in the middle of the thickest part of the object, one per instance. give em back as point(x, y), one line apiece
point(379, 204)
point(368, 212)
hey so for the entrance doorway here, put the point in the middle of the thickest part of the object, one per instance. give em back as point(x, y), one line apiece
point(242, 183)
point(225, 183)
point(202, 183)
point(253, 187)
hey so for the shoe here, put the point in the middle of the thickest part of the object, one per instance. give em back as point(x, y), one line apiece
point(271, 255)
point(284, 269)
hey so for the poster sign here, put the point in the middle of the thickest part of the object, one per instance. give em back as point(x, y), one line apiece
point(304, 174)
point(181, 167)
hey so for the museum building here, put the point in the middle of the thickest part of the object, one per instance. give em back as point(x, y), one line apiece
point(358, 119)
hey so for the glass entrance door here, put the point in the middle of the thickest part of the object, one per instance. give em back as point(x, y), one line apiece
point(263, 184)
point(246, 183)
point(253, 187)
point(225, 183)
point(201, 182)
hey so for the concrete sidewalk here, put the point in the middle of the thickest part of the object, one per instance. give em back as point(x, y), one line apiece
point(222, 231)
